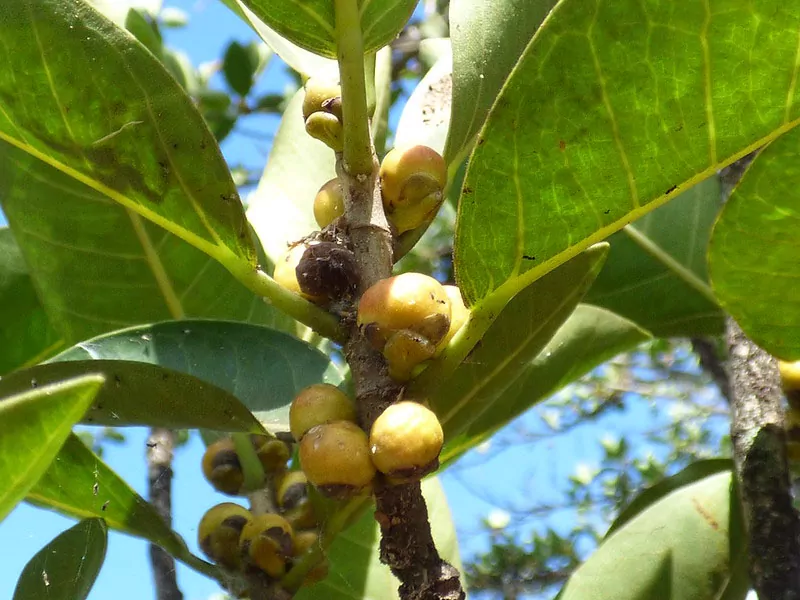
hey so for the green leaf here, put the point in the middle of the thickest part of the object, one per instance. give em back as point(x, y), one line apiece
point(488, 388)
point(144, 29)
point(98, 266)
point(262, 367)
point(356, 572)
point(239, 67)
point(66, 568)
point(656, 271)
point(487, 38)
point(588, 338)
point(26, 335)
point(426, 115)
point(690, 537)
point(110, 116)
point(35, 424)
point(311, 23)
point(301, 60)
point(141, 394)
point(78, 484)
point(695, 472)
point(753, 252)
point(281, 209)
point(604, 119)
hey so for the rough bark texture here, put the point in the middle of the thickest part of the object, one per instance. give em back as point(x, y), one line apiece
point(759, 444)
point(406, 543)
point(160, 447)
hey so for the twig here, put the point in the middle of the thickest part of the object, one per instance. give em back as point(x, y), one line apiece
point(160, 445)
point(759, 448)
point(406, 542)
point(711, 362)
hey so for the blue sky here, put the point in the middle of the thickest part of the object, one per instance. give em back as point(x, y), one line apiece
point(518, 475)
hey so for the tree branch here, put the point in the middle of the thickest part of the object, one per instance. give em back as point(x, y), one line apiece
point(160, 445)
point(759, 444)
point(711, 363)
point(406, 542)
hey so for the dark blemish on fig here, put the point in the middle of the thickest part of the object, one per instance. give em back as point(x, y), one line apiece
point(562, 144)
point(203, 145)
point(34, 383)
point(528, 257)
point(607, 211)
point(174, 145)
point(480, 141)
point(672, 189)
point(466, 190)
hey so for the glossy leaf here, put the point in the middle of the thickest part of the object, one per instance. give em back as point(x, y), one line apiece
point(753, 255)
point(129, 131)
point(356, 572)
point(262, 367)
point(487, 38)
point(281, 209)
point(79, 484)
point(588, 338)
point(99, 266)
point(487, 389)
point(311, 23)
point(426, 116)
point(656, 271)
point(35, 424)
point(585, 137)
point(299, 59)
point(26, 335)
point(66, 568)
point(691, 538)
point(141, 394)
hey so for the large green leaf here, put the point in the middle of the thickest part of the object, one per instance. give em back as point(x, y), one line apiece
point(691, 538)
point(613, 109)
point(66, 568)
point(109, 115)
point(78, 484)
point(754, 250)
point(99, 266)
point(35, 424)
point(262, 367)
point(588, 338)
point(136, 393)
point(281, 209)
point(26, 335)
point(484, 391)
point(656, 271)
point(311, 24)
point(488, 39)
point(356, 572)
point(299, 59)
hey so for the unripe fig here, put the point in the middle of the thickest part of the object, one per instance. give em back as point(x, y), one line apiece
point(327, 128)
point(267, 542)
point(221, 467)
point(405, 441)
point(329, 203)
point(293, 500)
point(273, 454)
point(317, 404)
point(335, 458)
point(409, 174)
point(219, 531)
point(790, 375)
point(404, 351)
point(410, 301)
point(285, 273)
point(304, 540)
point(322, 95)
point(459, 314)
point(410, 216)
